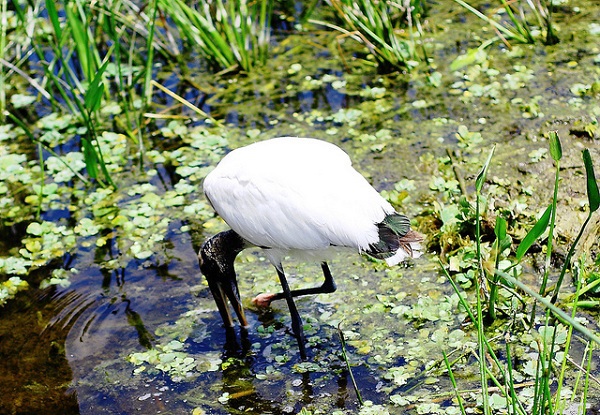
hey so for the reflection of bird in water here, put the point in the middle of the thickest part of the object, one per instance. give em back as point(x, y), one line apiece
point(299, 197)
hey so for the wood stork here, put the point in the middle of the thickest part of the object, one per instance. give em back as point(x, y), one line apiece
point(295, 197)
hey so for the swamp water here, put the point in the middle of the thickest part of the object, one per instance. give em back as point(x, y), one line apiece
point(131, 326)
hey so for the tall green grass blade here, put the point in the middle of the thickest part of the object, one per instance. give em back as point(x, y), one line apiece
point(454, 384)
point(95, 91)
point(592, 184)
point(80, 36)
point(500, 230)
point(375, 26)
point(594, 199)
point(62, 86)
point(501, 243)
point(153, 6)
point(564, 362)
point(512, 402)
point(556, 153)
point(90, 157)
point(561, 315)
point(229, 34)
point(507, 32)
point(480, 285)
point(54, 19)
point(478, 322)
point(125, 98)
point(345, 357)
point(534, 234)
point(520, 25)
point(264, 37)
point(587, 379)
point(482, 174)
point(3, 25)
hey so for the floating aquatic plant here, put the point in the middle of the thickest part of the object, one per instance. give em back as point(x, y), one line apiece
point(10, 287)
point(551, 336)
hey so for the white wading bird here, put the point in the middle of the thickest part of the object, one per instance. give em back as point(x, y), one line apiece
point(297, 197)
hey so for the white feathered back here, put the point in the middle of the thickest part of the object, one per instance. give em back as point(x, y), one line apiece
point(294, 194)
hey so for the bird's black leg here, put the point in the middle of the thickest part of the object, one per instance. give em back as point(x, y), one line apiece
point(296, 320)
point(328, 286)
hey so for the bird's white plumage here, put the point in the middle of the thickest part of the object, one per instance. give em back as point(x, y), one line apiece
point(296, 195)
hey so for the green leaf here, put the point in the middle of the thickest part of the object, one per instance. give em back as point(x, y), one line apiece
point(472, 56)
point(80, 37)
point(500, 228)
point(22, 100)
point(503, 240)
point(481, 176)
point(592, 184)
point(533, 235)
point(93, 95)
point(53, 14)
point(34, 228)
point(555, 147)
point(90, 157)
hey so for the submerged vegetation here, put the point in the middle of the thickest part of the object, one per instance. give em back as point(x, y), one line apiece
point(113, 112)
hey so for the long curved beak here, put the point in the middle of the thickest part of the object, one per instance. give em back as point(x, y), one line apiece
point(222, 288)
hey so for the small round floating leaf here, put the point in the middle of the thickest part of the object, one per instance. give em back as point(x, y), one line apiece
point(34, 228)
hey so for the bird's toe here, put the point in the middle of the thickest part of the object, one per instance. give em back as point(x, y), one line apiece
point(263, 300)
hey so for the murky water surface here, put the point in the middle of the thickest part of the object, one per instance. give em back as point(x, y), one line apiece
point(144, 336)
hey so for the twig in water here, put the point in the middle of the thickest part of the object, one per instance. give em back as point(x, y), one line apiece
point(457, 173)
point(348, 363)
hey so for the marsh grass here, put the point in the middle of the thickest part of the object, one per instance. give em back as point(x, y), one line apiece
point(389, 30)
point(545, 400)
point(524, 21)
point(89, 54)
point(231, 35)
point(75, 73)
point(85, 47)
point(3, 26)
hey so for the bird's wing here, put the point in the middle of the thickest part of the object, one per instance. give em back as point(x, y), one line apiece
point(307, 197)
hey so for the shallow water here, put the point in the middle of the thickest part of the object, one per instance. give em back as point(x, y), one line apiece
point(65, 350)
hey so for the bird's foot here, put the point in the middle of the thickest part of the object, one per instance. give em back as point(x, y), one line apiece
point(263, 300)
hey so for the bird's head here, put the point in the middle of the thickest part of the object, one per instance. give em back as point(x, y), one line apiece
point(216, 257)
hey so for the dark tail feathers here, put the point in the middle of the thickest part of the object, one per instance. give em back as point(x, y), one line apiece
point(395, 234)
